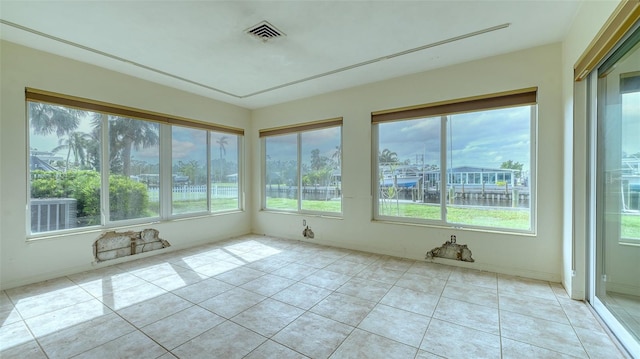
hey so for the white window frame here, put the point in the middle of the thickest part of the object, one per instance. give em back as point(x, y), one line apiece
point(298, 130)
point(165, 155)
point(444, 117)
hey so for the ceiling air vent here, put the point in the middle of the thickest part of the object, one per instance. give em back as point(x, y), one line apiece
point(264, 31)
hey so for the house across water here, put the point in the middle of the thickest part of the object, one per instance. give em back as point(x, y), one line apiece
point(408, 176)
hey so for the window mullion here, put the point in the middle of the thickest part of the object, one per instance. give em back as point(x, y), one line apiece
point(375, 169)
point(241, 198)
point(263, 174)
point(299, 149)
point(105, 168)
point(209, 168)
point(533, 165)
point(443, 168)
point(166, 181)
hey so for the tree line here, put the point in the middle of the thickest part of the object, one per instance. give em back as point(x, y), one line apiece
point(387, 157)
point(81, 150)
point(317, 170)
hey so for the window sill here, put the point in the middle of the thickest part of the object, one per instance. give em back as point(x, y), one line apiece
point(125, 226)
point(629, 242)
point(305, 214)
point(499, 231)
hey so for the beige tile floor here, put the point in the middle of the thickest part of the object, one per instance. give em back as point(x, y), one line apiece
point(261, 297)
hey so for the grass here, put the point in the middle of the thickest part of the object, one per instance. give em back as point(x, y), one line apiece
point(316, 206)
point(630, 226)
point(500, 217)
point(489, 217)
point(181, 207)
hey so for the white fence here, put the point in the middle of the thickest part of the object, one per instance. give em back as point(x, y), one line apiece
point(194, 193)
point(52, 214)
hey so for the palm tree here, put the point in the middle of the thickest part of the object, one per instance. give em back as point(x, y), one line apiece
point(76, 143)
point(222, 141)
point(387, 157)
point(337, 156)
point(46, 119)
point(93, 148)
point(390, 159)
point(190, 169)
point(318, 162)
point(127, 134)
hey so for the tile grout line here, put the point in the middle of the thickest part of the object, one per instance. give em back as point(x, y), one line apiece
point(336, 258)
point(499, 316)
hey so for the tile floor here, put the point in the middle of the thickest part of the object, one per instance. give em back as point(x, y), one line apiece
point(261, 297)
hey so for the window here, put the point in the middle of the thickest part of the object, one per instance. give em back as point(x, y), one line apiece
point(630, 171)
point(302, 168)
point(189, 170)
point(64, 166)
point(465, 163)
point(77, 169)
point(617, 145)
point(614, 190)
point(225, 171)
point(281, 174)
point(134, 165)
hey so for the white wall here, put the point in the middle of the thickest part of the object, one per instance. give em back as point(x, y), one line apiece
point(589, 20)
point(535, 256)
point(546, 255)
point(25, 261)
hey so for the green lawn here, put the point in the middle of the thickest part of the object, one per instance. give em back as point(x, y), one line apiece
point(631, 226)
point(500, 217)
point(292, 205)
point(492, 217)
point(180, 207)
point(513, 218)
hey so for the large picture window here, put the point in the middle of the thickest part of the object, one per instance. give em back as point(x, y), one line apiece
point(302, 168)
point(97, 164)
point(464, 163)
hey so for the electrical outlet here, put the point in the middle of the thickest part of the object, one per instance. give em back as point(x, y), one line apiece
point(304, 222)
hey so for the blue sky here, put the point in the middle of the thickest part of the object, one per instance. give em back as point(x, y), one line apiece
point(481, 139)
point(190, 144)
point(187, 144)
point(284, 147)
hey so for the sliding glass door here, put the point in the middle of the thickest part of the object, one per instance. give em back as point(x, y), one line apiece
point(615, 270)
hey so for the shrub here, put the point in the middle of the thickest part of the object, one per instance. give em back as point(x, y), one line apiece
point(127, 198)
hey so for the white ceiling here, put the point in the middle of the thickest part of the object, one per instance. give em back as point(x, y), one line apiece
point(202, 47)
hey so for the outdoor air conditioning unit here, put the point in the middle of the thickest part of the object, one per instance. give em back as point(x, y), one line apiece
point(52, 214)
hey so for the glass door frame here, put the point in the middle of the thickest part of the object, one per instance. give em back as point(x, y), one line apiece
point(594, 182)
